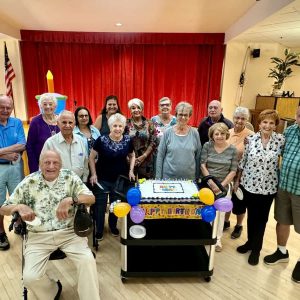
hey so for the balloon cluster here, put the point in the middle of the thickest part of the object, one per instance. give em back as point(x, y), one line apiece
point(121, 209)
point(208, 212)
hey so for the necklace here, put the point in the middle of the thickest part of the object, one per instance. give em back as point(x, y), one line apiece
point(52, 130)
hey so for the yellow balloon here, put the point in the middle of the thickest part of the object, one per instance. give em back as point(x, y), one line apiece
point(206, 196)
point(121, 209)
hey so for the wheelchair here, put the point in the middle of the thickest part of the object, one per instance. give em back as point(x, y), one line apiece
point(55, 255)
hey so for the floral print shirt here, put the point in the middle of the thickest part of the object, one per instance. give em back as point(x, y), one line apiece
point(34, 192)
point(143, 136)
point(260, 165)
point(160, 127)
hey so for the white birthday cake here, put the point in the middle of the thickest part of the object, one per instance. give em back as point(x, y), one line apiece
point(168, 189)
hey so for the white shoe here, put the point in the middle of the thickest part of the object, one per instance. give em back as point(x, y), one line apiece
point(219, 246)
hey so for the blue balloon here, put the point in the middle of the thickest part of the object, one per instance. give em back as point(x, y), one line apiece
point(134, 196)
point(208, 213)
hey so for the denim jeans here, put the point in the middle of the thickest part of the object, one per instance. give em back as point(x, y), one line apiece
point(101, 203)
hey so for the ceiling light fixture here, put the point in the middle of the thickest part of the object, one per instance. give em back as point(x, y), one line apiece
point(119, 24)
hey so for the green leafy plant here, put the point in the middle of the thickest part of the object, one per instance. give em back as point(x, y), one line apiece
point(283, 67)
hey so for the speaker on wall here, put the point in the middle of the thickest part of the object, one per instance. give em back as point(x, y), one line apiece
point(255, 53)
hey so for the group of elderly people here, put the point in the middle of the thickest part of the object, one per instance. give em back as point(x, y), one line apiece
point(167, 147)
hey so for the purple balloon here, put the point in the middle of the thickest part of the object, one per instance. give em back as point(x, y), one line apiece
point(137, 214)
point(223, 204)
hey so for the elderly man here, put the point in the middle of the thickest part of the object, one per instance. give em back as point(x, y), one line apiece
point(12, 143)
point(70, 146)
point(214, 116)
point(45, 200)
point(287, 202)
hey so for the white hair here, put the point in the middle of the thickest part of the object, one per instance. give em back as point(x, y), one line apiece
point(46, 96)
point(136, 101)
point(242, 111)
point(116, 117)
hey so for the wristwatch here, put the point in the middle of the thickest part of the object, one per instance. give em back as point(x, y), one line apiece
point(75, 201)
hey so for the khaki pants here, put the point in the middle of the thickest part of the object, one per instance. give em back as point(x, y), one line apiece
point(38, 248)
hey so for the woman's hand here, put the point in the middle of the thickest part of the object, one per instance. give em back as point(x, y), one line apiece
point(213, 187)
point(131, 175)
point(140, 159)
point(93, 179)
point(236, 184)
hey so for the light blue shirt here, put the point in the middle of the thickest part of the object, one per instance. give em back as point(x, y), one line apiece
point(11, 134)
point(94, 132)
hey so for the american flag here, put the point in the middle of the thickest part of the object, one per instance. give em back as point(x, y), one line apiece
point(9, 74)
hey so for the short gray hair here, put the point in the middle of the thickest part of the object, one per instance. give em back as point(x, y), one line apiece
point(44, 154)
point(136, 101)
point(64, 113)
point(47, 96)
point(164, 99)
point(240, 110)
point(115, 118)
point(182, 105)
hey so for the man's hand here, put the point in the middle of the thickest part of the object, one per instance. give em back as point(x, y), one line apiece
point(11, 156)
point(62, 211)
point(25, 212)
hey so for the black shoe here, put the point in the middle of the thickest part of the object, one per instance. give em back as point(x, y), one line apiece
point(4, 243)
point(114, 231)
point(236, 233)
point(296, 273)
point(99, 236)
point(244, 248)
point(59, 286)
point(18, 229)
point(253, 258)
point(276, 257)
point(226, 225)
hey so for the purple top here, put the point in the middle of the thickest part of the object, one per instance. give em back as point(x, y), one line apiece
point(39, 132)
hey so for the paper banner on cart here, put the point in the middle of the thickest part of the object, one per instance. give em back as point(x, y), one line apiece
point(172, 211)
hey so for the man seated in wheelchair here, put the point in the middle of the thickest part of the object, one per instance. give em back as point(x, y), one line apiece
point(45, 201)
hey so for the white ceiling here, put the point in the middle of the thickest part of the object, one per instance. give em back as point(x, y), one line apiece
point(157, 16)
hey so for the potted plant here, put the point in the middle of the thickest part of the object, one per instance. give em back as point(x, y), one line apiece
point(283, 69)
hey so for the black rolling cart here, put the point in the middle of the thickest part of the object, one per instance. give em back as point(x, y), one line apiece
point(172, 246)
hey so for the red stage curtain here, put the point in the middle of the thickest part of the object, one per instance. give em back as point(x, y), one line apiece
point(89, 66)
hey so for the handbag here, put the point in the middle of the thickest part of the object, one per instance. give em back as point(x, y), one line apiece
point(83, 222)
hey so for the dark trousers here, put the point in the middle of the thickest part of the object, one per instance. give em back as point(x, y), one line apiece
point(101, 204)
point(258, 208)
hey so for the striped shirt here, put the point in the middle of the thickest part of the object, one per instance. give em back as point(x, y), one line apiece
point(290, 169)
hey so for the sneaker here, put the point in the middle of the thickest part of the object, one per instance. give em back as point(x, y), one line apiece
point(218, 246)
point(99, 236)
point(59, 286)
point(236, 233)
point(244, 248)
point(4, 243)
point(114, 232)
point(226, 225)
point(253, 259)
point(276, 257)
point(296, 273)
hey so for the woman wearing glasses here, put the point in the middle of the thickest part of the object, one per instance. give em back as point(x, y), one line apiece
point(179, 149)
point(84, 127)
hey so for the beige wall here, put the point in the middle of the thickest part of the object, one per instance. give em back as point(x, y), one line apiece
point(256, 75)
point(13, 49)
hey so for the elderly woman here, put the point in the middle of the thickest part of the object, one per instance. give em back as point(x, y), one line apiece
point(179, 149)
point(258, 175)
point(84, 127)
point(164, 119)
point(111, 107)
point(142, 133)
point(112, 151)
point(237, 137)
point(41, 128)
point(219, 158)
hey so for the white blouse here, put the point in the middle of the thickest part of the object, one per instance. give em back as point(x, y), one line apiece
point(260, 165)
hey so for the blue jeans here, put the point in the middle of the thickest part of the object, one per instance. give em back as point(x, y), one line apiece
point(101, 203)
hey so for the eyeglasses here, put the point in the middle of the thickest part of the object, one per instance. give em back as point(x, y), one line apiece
point(183, 115)
point(165, 104)
point(83, 116)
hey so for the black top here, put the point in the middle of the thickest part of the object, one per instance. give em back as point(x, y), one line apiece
point(206, 123)
point(112, 156)
point(104, 126)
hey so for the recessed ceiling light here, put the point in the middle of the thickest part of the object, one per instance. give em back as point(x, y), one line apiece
point(119, 24)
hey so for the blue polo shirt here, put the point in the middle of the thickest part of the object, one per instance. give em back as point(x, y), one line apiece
point(12, 134)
